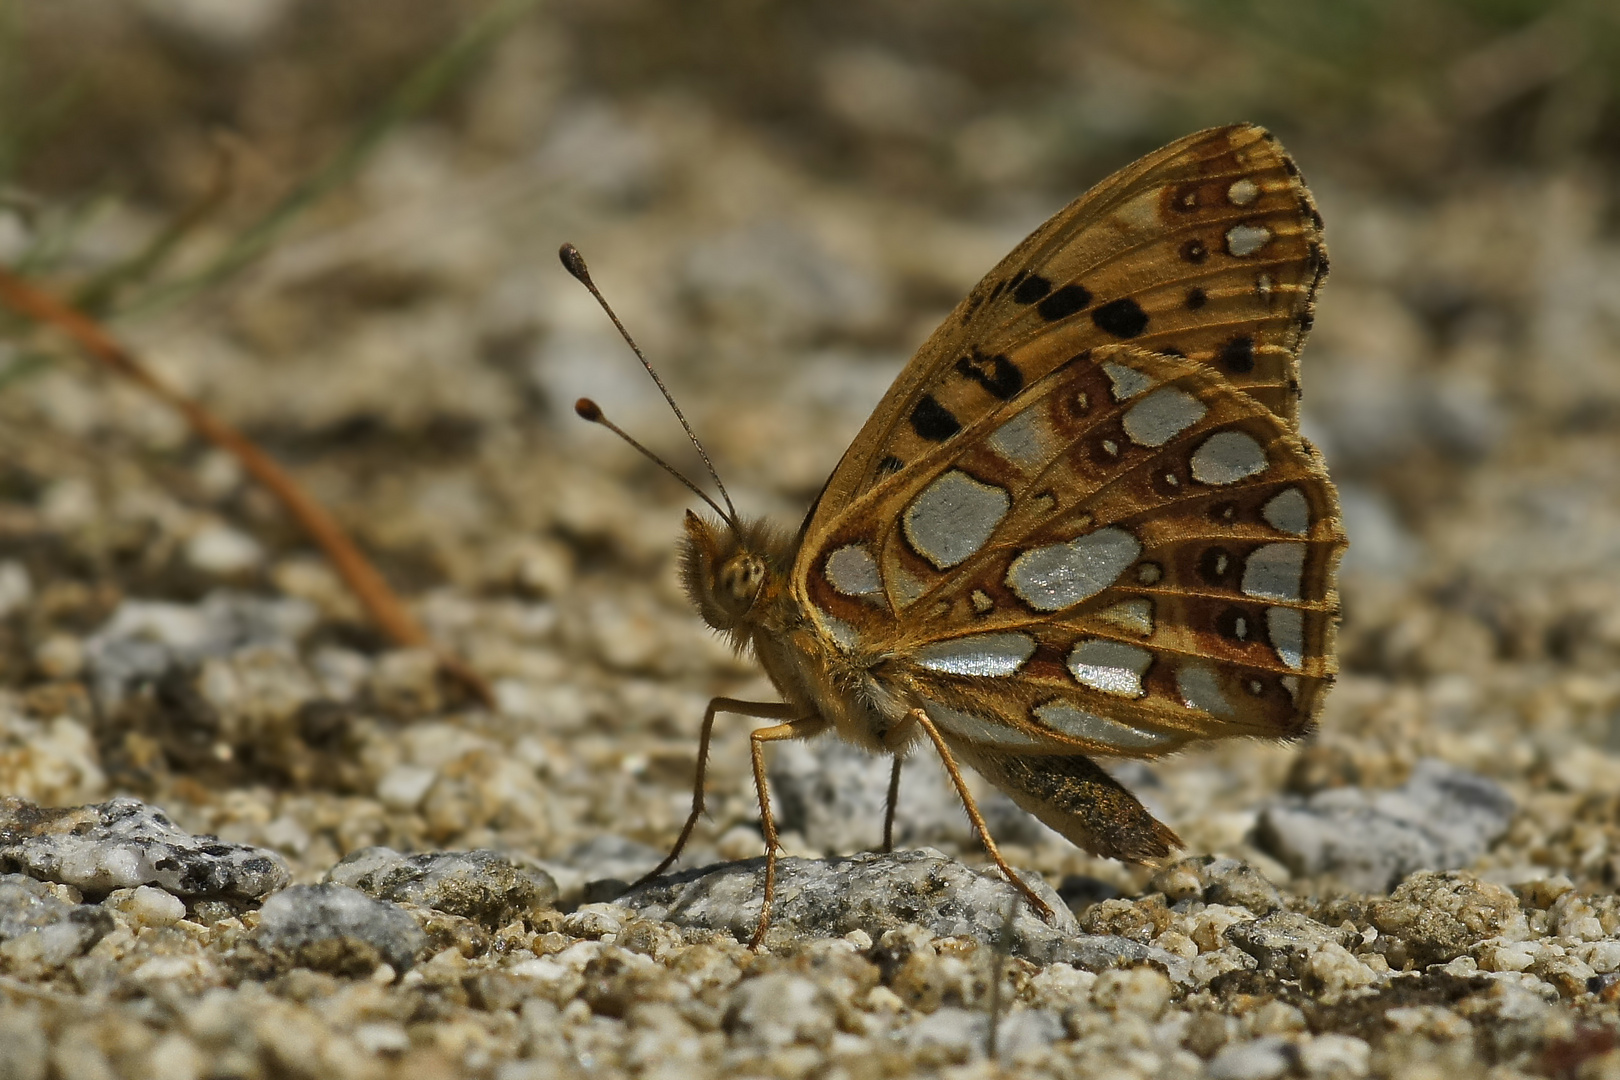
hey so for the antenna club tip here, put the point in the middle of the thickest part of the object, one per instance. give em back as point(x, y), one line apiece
point(574, 262)
point(586, 409)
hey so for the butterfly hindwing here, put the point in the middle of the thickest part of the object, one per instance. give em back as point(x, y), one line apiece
point(1128, 556)
point(1209, 248)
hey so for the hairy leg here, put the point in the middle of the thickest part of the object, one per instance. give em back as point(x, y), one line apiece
point(921, 718)
point(793, 729)
point(764, 710)
point(889, 806)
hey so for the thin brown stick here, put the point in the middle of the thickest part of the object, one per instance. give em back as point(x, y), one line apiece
point(972, 808)
point(375, 596)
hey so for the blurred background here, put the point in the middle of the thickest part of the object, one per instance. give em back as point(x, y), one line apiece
point(335, 222)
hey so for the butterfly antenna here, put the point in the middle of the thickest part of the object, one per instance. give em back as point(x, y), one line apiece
point(590, 410)
point(574, 263)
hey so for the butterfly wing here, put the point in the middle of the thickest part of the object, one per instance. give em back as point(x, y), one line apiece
point(1128, 557)
point(1209, 248)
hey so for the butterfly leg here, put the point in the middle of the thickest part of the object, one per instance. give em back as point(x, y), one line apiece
point(793, 729)
point(889, 806)
point(921, 718)
point(764, 710)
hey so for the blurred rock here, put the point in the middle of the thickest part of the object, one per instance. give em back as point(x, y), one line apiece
point(1435, 918)
point(1283, 943)
point(123, 843)
point(780, 1008)
point(39, 930)
point(1442, 818)
point(145, 638)
point(875, 893)
point(832, 793)
point(338, 929)
point(484, 886)
point(600, 865)
point(1214, 880)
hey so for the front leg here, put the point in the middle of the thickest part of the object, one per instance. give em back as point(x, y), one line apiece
point(764, 710)
point(793, 729)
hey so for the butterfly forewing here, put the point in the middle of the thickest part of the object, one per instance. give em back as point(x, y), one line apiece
point(1209, 248)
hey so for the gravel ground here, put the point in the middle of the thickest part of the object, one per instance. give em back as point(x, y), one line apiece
point(300, 852)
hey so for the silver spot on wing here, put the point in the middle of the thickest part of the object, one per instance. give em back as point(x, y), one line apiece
point(1022, 440)
point(1244, 240)
point(1110, 666)
point(1288, 511)
point(1128, 382)
point(1227, 457)
point(1053, 577)
point(1286, 629)
point(1063, 717)
point(1274, 571)
point(977, 728)
point(852, 571)
point(1162, 415)
point(953, 516)
point(1200, 689)
point(978, 654)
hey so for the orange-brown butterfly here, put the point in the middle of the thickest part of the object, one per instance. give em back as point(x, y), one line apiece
point(1082, 520)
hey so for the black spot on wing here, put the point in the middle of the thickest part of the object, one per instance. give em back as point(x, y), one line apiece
point(1196, 298)
point(1031, 289)
point(1068, 300)
point(889, 465)
point(933, 421)
point(1194, 251)
point(1123, 318)
point(1237, 355)
point(998, 375)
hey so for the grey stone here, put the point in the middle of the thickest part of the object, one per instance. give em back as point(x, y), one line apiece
point(338, 929)
point(38, 928)
point(600, 868)
point(1026, 1030)
point(1442, 818)
point(145, 638)
point(1282, 943)
point(1217, 880)
point(1259, 1059)
point(876, 893)
point(780, 1008)
point(124, 843)
point(965, 1032)
point(481, 885)
point(833, 793)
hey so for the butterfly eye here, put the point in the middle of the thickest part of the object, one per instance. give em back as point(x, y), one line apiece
point(739, 581)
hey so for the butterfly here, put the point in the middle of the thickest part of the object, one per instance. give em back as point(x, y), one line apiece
point(1081, 522)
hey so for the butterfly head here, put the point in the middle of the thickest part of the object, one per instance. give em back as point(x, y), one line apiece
point(731, 572)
